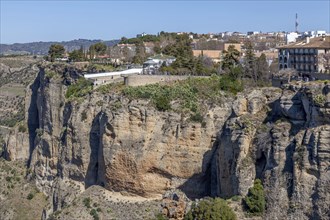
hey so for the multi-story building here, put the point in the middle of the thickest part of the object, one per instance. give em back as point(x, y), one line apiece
point(306, 56)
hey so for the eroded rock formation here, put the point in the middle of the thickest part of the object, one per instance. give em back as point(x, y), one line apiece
point(281, 136)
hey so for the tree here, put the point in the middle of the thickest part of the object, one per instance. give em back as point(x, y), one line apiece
point(140, 54)
point(126, 54)
point(56, 51)
point(77, 55)
point(262, 68)
point(97, 49)
point(235, 72)
point(204, 65)
point(182, 51)
point(255, 200)
point(250, 69)
point(211, 209)
point(231, 58)
point(123, 40)
point(157, 48)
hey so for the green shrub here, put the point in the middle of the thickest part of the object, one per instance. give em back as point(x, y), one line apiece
point(255, 200)
point(99, 103)
point(110, 88)
point(95, 215)
point(162, 103)
point(197, 117)
point(8, 178)
point(87, 202)
point(30, 196)
point(320, 99)
point(22, 128)
point(229, 84)
point(211, 209)
point(160, 216)
point(235, 198)
point(50, 74)
point(117, 105)
point(79, 89)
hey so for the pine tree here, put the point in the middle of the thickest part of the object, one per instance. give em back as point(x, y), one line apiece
point(250, 67)
point(255, 200)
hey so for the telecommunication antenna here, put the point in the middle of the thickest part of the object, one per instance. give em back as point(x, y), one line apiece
point(296, 23)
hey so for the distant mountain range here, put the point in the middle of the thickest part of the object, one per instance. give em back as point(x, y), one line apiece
point(41, 48)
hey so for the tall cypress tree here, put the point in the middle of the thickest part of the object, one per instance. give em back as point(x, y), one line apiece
point(250, 70)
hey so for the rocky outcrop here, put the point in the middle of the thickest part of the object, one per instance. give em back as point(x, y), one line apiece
point(278, 135)
point(174, 204)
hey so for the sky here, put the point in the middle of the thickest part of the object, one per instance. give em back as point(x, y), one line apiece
point(32, 21)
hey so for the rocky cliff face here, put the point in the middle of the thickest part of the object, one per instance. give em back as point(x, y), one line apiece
point(281, 136)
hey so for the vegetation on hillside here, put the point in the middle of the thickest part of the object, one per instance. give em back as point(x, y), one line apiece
point(137, 40)
point(19, 196)
point(77, 55)
point(13, 118)
point(79, 89)
point(255, 200)
point(209, 209)
point(188, 92)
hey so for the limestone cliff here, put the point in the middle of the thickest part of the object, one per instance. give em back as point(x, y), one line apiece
point(281, 136)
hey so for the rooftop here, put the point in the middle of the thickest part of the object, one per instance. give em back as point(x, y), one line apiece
point(317, 42)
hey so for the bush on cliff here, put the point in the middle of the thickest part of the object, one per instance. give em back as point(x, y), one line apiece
point(79, 89)
point(211, 209)
point(162, 103)
point(255, 200)
point(228, 83)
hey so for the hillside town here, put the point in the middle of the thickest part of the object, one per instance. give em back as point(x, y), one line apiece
point(303, 56)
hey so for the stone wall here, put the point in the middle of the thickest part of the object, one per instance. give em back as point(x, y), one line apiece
point(140, 80)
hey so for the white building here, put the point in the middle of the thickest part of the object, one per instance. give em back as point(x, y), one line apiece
point(152, 65)
point(305, 56)
point(291, 37)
